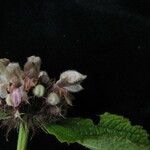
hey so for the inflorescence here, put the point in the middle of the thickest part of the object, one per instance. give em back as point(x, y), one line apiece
point(29, 94)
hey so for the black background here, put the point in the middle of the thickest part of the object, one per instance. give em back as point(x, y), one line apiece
point(109, 40)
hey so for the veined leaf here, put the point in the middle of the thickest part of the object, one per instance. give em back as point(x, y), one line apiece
point(112, 133)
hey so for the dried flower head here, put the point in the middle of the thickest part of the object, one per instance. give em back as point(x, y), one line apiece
point(29, 94)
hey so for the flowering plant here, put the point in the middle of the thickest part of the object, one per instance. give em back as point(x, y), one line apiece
point(29, 100)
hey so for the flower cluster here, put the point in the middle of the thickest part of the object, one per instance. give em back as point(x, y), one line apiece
point(29, 94)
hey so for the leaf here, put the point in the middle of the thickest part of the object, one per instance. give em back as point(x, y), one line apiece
point(112, 133)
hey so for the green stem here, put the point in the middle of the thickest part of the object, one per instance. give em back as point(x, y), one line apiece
point(23, 136)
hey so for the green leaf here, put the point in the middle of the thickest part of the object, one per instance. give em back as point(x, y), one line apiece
point(112, 133)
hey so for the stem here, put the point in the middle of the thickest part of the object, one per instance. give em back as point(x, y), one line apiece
point(23, 136)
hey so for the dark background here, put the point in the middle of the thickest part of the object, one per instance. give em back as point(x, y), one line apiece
point(109, 40)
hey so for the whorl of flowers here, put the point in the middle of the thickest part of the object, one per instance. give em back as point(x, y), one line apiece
point(30, 95)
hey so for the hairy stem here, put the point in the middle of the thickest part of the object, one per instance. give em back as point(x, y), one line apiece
point(23, 136)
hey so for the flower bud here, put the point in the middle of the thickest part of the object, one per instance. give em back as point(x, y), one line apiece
point(43, 77)
point(13, 70)
point(9, 100)
point(34, 59)
point(53, 98)
point(39, 90)
point(33, 63)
